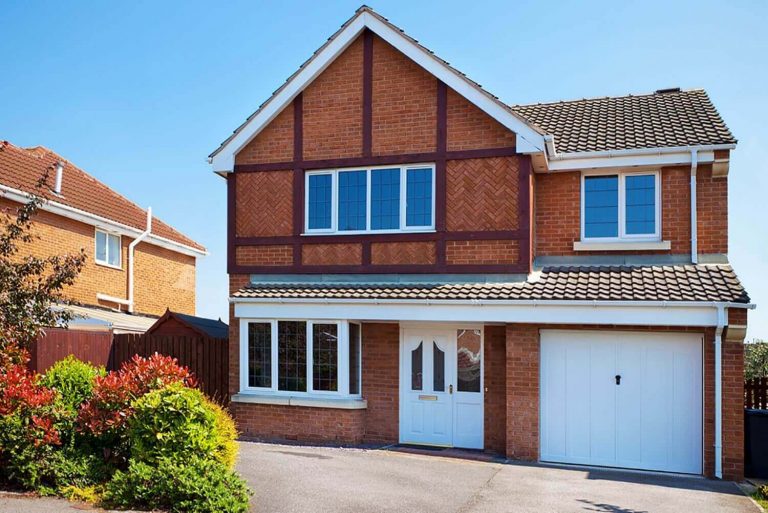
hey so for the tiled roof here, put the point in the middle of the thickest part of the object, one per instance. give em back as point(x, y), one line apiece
point(598, 283)
point(662, 119)
point(21, 168)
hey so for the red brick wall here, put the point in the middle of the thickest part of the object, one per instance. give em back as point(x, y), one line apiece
point(381, 374)
point(494, 352)
point(278, 254)
point(331, 254)
point(522, 390)
point(484, 252)
point(404, 103)
point(333, 108)
point(470, 128)
point(273, 144)
point(557, 212)
point(264, 203)
point(482, 194)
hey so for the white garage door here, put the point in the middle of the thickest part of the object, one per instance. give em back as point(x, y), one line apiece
point(622, 399)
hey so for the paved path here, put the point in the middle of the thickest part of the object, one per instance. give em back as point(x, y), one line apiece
point(295, 479)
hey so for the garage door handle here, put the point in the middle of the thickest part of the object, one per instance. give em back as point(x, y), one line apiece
point(618, 379)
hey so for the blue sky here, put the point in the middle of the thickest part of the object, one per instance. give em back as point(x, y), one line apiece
point(139, 93)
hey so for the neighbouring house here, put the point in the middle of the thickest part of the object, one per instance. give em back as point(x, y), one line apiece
point(179, 324)
point(137, 266)
point(412, 260)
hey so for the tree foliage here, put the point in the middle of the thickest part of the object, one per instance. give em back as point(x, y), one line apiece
point(756, 360)
point(31, 285)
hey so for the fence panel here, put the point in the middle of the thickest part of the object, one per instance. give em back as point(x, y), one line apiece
point(756, 393)
point(57, 343)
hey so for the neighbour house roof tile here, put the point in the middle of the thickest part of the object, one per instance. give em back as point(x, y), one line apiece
point(22, 168)
point(666, 118)
point(706, 283)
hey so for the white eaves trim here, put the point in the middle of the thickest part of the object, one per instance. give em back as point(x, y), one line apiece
point(528, 139)
point(644, 313)
point(101, 222)
point(634, 157)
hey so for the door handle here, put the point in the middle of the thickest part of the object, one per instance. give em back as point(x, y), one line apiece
point(618, 379)
point(450, 389)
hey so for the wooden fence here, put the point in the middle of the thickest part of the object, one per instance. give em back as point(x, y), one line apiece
point(756, 393)
point(207, 358)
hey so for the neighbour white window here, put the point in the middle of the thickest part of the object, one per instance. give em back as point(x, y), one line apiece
point(620, 206)
point(107, 248)
point(379, 199)
point(301, 356)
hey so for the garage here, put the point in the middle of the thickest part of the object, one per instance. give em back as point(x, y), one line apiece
point(622, 399)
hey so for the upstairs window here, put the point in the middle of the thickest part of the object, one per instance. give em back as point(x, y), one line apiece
point(380, 199)
point(624, 206)
point(107, 249)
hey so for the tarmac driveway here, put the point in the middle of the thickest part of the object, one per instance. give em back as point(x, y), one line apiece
point(297, 479)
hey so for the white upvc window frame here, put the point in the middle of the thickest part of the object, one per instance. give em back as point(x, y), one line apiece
point(342, 360)
point(623, 236)
point(107, 235)
point(334, 173)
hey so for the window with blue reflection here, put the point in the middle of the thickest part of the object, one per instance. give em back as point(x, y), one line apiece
point(352, 186)
point(601, 206)
point(385, 199)
point(418, 197)
point(640, 197)
point(319, 216)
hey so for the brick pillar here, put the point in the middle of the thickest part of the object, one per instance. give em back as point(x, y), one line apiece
point(522, 391)
point(733, 402)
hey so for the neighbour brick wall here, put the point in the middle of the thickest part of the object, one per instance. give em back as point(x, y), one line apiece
point(393, 253)
point(331, 254)
point(381, 374)
point(470, 128)
point(404, 103)
point(522, 369)
point(276, 254)
point(482, 252)
point(164, 279)
point(557, 212)
point(264, 203)
point(482, 194)
point(273, 144)
point(333, 108)
point(494, 353)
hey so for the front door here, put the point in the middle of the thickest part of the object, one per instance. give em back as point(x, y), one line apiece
point(441, 391)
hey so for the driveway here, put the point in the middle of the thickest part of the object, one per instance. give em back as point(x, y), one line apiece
point(297, 479)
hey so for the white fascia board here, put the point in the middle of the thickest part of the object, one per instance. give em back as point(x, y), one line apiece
point(644, 313)
point(528, 139)
point(636, 157)
point(101, 222)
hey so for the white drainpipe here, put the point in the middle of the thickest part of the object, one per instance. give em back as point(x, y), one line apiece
point(694, 222)
point(719, 391)
point(131, 247)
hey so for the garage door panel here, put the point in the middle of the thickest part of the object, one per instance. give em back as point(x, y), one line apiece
point(651, 420)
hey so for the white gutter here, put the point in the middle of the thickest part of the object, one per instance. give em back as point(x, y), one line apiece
point(640, 151)
point(719, 391)
point(694, 213)
point(101, 222)
point(131, 258)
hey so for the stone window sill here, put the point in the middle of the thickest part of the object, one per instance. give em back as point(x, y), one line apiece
point(292, 400)
point(622, 246)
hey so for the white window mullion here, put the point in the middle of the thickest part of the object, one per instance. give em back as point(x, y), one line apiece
point(334, 201)
point(243, 354)
point(403, 198)
point(309, 357)
point(622, 206)
point(275, 363)
point(342, 358)
point(368, 200)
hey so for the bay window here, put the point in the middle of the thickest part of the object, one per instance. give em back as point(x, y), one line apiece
point(300, 357)
point(620, 206)
point(378, 199)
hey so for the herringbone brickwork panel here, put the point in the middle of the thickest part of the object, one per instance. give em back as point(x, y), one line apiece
point(402, 253)
point(273, 144)
point(482, 252)
point(482, 194)
point(331, 254)
point(264, 204)
point(275, 254)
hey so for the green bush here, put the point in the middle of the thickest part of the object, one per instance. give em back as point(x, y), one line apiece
point(226, 435)
point(173, 422)
point(73, 380)
point(194, 485)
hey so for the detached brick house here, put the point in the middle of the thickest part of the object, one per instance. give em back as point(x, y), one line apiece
point(133, 264)
point(412, 260)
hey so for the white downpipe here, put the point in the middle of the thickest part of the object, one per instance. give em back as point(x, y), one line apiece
point(131, 248)
point(694, 216)
point(719, 391)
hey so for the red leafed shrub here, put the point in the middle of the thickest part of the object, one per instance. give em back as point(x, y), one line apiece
point(110, 406)
point(19, 389)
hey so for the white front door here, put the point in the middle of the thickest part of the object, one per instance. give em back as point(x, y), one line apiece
point(622, 399)
point(441, 400)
